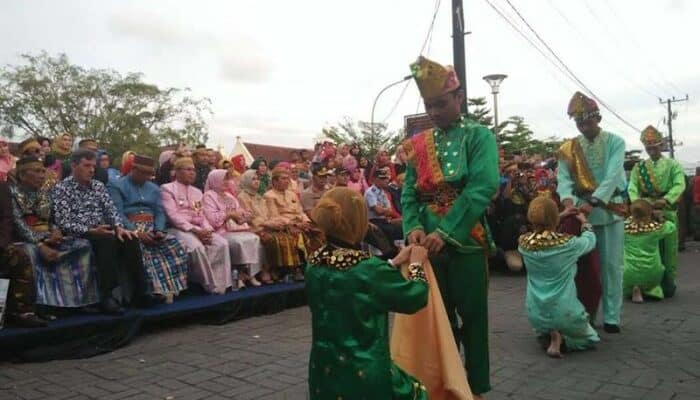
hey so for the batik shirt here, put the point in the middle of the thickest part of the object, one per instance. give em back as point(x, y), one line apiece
point(77, 209)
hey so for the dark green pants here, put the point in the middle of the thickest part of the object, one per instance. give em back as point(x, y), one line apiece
point(463, 282)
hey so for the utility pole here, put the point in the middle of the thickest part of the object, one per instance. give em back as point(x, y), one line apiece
point(670, 120)
point(458, 47)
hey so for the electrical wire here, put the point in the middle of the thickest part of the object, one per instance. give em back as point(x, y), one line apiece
point(664, 83)
point(634, 40)
point(566, 67)
point(426, 44)
point(535, 46)
point(581, 33)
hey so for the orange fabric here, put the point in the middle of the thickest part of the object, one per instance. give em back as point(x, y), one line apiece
point(422, 344)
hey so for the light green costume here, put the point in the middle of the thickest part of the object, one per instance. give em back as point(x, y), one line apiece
point(654, 180)
point(643, 265)
point(551, 300)
point(604, 157)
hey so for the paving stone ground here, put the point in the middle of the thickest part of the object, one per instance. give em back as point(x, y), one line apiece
point(657, 357)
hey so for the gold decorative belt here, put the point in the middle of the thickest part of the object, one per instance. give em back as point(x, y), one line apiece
point(440, 200)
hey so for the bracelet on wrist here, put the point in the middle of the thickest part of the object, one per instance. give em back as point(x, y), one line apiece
point(416, 272)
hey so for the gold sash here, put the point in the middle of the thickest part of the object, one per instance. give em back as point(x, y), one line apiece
point(572, 154)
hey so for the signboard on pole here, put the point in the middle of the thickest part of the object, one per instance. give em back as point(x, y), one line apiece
point(416, 123)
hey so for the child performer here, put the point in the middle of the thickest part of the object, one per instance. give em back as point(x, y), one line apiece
point(350, 295)
point(643, 270)
point(552, 306)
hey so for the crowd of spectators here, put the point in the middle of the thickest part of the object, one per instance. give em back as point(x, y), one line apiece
point(76, 231)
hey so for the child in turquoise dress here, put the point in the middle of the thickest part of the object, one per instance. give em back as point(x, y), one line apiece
point(552, 305)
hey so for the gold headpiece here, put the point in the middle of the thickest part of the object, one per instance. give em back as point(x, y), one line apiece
point(651, 136)
point(433, 79)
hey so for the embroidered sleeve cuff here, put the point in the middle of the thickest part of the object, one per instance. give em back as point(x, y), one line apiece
point(416, 273)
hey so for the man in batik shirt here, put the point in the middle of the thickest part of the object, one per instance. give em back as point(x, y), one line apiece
point(661, 181)
point(451, 176)
point(83, 208)
point(591, 179)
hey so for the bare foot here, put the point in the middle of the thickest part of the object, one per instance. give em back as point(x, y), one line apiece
point(477, 397)
point(637, 295)
point(554, 349)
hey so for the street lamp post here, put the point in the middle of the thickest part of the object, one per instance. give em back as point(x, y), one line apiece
point(494, 80)
point(374, 104)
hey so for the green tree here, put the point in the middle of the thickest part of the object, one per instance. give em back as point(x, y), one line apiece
point(516, 135)
point(48, 95)
point(370, 137)
point(479, 112)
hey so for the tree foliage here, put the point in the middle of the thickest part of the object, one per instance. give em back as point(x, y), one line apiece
point(515, 134)
point(48, 95)
point(370, 137)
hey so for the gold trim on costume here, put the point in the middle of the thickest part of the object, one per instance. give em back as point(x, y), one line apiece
point(338, 258)
point(534, 241)
point(572, 154)
point(635, 228)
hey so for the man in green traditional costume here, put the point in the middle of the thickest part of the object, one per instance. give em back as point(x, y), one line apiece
point(450, 179)
point(660, 181)
point(591, 178)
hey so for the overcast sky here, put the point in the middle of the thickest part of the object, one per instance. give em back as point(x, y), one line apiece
point(278, 71)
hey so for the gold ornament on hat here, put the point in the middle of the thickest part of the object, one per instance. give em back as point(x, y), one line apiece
point(582, 107)
point(651, 136)
point(433, 79)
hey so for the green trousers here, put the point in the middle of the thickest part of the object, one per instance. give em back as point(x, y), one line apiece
point(463, 283)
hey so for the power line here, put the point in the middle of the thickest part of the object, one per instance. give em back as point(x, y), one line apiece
point(621, 48)
point(634, 41)
point(426, 43)
point(599, 50)
point(535, 46)
point(602, 103)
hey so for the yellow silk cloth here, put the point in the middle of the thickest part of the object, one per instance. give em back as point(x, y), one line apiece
point(422, 344)
point(572, 154)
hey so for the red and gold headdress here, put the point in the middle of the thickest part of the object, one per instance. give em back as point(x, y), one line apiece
point(582, 107)
point(433, 79)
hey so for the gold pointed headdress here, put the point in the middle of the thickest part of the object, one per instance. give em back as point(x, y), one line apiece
point(582, 107)
point(433, 79)
point(651, 136)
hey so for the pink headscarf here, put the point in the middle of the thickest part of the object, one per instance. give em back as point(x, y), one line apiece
point(350, 163)
point(7, 163)
point(216, 180)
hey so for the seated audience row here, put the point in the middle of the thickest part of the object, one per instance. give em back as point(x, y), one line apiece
point(132, 242)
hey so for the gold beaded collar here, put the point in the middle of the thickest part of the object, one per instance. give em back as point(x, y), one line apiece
point(339, 258)
point(635, 227)
point(533, 241)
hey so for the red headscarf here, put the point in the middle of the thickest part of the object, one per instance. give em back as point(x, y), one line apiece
point(238, 163)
